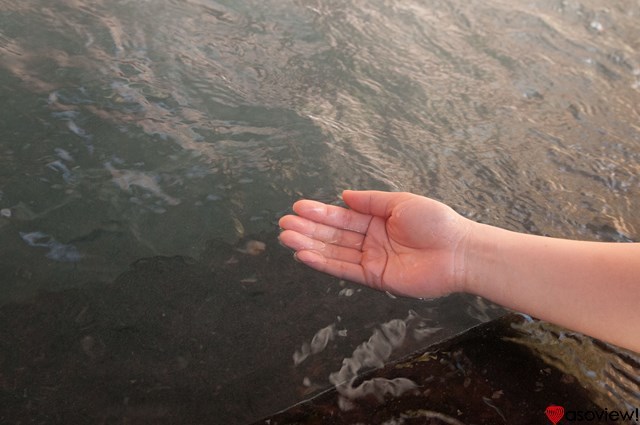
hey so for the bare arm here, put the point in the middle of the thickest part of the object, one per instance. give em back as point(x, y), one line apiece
point(415, 246)
point(590, 287)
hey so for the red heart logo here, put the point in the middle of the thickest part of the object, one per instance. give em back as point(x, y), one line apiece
point(554, 413)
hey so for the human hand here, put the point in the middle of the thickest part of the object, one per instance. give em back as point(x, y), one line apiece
point(397, 242)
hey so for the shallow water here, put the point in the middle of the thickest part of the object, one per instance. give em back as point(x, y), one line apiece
point(138, 129)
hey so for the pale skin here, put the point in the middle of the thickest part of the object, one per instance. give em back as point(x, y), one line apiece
point(415, 246)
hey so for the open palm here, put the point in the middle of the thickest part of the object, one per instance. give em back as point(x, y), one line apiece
point(398, 242)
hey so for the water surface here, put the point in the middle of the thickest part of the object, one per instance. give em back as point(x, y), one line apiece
point(133, 132)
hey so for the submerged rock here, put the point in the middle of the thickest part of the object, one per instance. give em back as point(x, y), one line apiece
point(253, 247)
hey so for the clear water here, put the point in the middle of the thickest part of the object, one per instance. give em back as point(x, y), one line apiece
point(138, 129)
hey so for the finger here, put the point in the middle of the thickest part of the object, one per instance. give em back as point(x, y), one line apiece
point(322, 232)
point(340, 269)
point(331, 215)
point(374, 202)
point(298, 242)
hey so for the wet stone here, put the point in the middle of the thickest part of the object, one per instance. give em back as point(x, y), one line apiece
point(483, 376)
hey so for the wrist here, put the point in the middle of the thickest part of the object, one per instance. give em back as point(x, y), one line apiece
point(477, 256)
point(464, 256)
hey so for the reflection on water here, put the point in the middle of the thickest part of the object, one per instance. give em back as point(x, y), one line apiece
point(509, 370)
point(133, 129)
point(373, 354)
point(57, 250)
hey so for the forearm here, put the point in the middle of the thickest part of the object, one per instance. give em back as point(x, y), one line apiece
point(590, 287)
